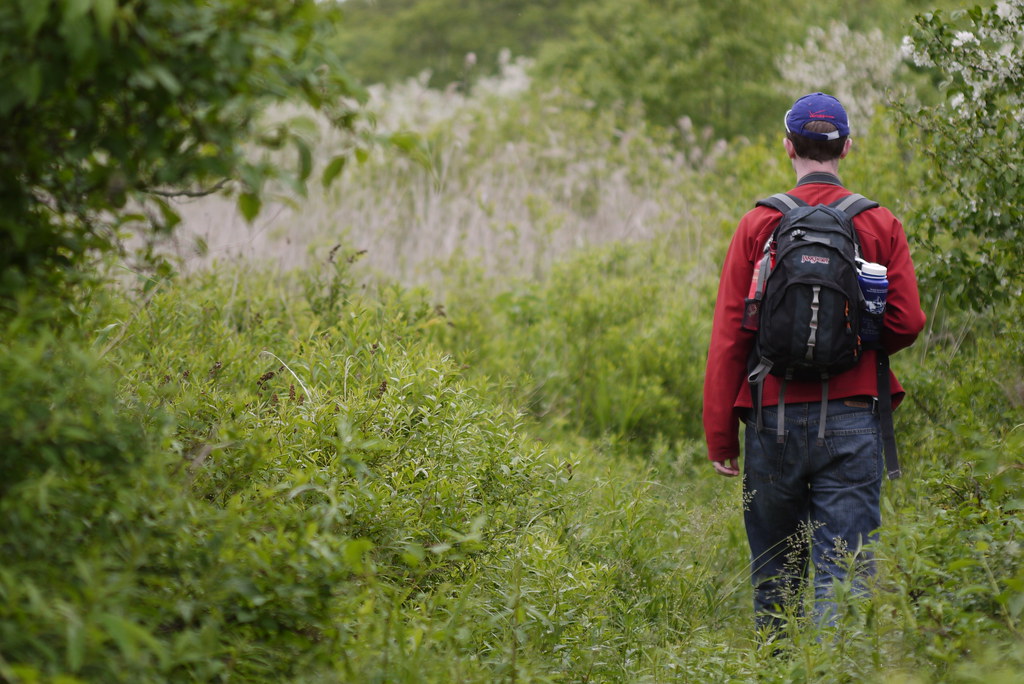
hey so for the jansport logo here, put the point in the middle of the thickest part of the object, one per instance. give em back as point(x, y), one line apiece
point(810, 259)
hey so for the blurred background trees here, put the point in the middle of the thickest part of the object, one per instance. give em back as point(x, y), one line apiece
point(389, 40)
point(110, 107)
point(717, 63)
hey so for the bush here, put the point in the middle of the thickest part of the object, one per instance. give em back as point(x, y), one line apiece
point(252, 500)
point(79, 505)
point(111, 107)
point(610, 343)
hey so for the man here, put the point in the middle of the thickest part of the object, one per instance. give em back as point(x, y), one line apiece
point(801, 500)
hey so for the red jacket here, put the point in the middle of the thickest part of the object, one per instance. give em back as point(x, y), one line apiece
point(726, 390)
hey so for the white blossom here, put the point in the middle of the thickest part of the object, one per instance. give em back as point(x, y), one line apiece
point(856, 67)
point(1009, 11)
point(986, 61)
point(964, 38)
point(911, 51)
point(414, 105)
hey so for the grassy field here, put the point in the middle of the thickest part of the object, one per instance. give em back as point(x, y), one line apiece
point(473, 452)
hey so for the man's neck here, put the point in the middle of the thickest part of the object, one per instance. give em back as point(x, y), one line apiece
point(802, 167)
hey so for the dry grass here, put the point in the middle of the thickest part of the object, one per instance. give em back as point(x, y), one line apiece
point(516, 181)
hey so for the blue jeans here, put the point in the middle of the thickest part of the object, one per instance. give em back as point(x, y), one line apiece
point(806, 502)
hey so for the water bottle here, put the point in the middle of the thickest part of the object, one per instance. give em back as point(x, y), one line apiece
point(875, 286)
point(752, 304)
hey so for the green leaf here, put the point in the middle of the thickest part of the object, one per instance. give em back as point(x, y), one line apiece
point(164, 77)
point(413, 555)
point(34, 13)
point(355, 551)
point(404, 140)
point(305, 159)
point(412, 145)
point(73, 9)
point(334, 168)
point(961, 564)
point(171, 218)
point(1016, 604)
point(104, 11)
point(76, 30)
point(130, 638)
point(75, 634)
point(249, 204)
point(29, 81)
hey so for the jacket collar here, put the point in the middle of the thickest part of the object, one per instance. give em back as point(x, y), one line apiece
point(820, 177)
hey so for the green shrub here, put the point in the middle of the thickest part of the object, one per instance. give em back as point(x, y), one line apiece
point(611, 342)
point(111, 107)
point(58, 413)
point(78, 505)
point(269, 488)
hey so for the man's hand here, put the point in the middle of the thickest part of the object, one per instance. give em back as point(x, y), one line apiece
point(730, 467)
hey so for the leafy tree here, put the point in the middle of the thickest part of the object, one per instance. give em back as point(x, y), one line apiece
point(973, 226)
point(109, 107)
point(709, 61)
point(714, 61)
point(388, 40)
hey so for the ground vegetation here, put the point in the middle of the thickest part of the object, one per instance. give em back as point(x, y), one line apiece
point(346, 462)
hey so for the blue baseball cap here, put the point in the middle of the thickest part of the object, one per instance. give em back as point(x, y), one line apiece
point(817, 107)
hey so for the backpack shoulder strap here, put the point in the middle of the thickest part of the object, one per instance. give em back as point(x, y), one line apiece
point(851, 205)
point(782, 202)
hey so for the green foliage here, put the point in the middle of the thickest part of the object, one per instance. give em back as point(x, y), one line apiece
point(269, 480)
point(680, 58)
point(269, 488)
point(714, 62)
point(383, 42)
point(245, 476)
point(957, 575)
point(981, 395)
point(57, 413)
point(950, 545)
point(607, 344)
point(111, 106)
point(71, 511)
point(972, 224)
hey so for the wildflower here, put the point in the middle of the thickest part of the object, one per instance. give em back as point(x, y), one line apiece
point(964, 38)
point(1008, 11)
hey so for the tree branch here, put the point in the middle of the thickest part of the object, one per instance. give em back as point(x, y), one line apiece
point(191, 193)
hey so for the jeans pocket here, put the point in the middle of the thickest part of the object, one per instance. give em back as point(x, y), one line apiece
point(763, 454)
point(855, 454)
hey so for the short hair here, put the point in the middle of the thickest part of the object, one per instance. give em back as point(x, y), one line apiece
point(817, 150)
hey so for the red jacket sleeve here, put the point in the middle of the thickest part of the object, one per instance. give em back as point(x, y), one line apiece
point(730, 345)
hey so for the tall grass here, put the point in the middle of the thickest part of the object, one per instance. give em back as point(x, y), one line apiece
point(513, 180)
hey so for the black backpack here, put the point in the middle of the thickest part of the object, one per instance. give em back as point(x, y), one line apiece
point(809, 305)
